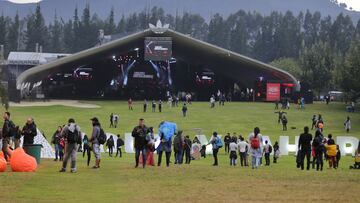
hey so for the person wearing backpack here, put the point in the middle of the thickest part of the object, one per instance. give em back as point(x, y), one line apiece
point(255, 140)
point(276, 152)
point(216, 143)
point(29, 131)
point(71, 133)
point(7, 133)
point(119, 143)
point(305, 148)
point(267, 152)
point(140, 143)
point(55, 140)
point(97, 139)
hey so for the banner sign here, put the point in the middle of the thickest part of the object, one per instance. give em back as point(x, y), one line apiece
point(272, 91)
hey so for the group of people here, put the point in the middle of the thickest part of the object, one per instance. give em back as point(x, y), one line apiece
point(12, 134)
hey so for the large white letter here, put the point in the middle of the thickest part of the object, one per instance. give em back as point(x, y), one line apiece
point(342, 141)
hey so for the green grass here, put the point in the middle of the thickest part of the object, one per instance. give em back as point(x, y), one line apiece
point(118, 181)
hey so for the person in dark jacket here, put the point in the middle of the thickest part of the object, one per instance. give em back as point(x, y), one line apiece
point(319, 150)
point(87, 149)
point(110, 144)
point(276, 152)
point(29, 132)
point(178, 147)
point(6, 134)
point(55, 140)
point(119, 143)
point(227, 140)
point(17, 137)
point(305, 148)
point(139, 134)
point(184, 110)
point(187, 149)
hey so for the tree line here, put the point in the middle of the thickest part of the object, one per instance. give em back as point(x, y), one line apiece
point(320, 51)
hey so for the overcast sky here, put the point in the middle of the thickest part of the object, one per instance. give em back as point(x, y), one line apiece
point(355, 4)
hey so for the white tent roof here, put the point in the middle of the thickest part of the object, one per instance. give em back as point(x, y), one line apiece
point(33, 58)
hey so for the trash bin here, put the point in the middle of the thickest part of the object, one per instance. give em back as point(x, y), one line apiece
point(34, 150)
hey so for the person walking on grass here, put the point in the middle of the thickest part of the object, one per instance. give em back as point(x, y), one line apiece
point(160, 105)
point(86, 149)
point(284, 122)
point(233, 148)
point(216, 143)
point(95, 140)
point(139, 134)
point(267, 151)
point(130, 104)
point(119, 143)
point(111, 120)
point(178, 147)
point(72, 135)
point(184, 110)
point(255, 140)
point(347, 124)
point(276, 152)
point(305, 148)
point(153, 105)
point(145, 106)
point(314, 120)
point(331, 152)
point(110, 144)
point(280, 115)
point(55, 140)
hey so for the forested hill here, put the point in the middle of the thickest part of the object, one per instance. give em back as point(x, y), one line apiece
point(205, 8)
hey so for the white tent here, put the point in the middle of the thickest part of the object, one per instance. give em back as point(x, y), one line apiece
point(47, 152)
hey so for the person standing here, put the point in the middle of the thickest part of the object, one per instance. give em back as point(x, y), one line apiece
point(145, 106)
point(110, 144)
point(160, 105)
point(150, 148)
point(7, 133)
point(319, 150)
point(184, 109)
point(130, 104)
point(119, 143)
point(179, 147)
point(29, 131)
point(95, 141)
point(267, 151)
point(139, 133)
point(233, 148)
point(188, 145)
point(276, 152)
point(166, 131)
point(215, 141)
point(227, 140)
point(331, 152)
point(313, 125)
point(71, 133)
point(284, 122)
point(280, 115)
point(55, 140)
point(255, 140)
point(276, 104)
point(347, 124)
point(116, 120)
point(111, 120)
point(153, 105)
point(242, 149)
point(17, 137)
point(86, 149)
point(305, 148)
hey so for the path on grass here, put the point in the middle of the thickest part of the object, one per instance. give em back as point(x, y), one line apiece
point(69, 103)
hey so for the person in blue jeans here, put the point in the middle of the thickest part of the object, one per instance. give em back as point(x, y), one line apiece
point(255, 140)
point(55, 140)
point(139, 134)
point(179, 147)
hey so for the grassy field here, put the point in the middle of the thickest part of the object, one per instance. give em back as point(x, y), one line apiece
point(118, 181)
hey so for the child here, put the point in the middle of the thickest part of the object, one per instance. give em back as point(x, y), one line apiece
point(233, 147)
point(331, 153)
point(276, 152)
point(338, 156)
point(347, 124)
point(119, 143)
point(357, 158)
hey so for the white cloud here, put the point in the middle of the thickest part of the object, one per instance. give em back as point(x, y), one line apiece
point(24, 1)
point(355, 4)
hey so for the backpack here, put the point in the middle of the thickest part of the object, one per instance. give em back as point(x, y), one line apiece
point(102, 137)
point(73, 137)
point(270, 149)
point(255, 142)
point(121, 142)
point(218, 143)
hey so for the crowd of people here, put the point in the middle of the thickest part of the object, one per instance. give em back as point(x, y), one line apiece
point(67, 139)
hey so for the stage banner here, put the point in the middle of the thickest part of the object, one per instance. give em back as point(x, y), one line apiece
point(272, 91)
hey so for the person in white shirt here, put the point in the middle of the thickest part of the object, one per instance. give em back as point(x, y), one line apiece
point(242, 151)
point(233, 148)
point(267, 151)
